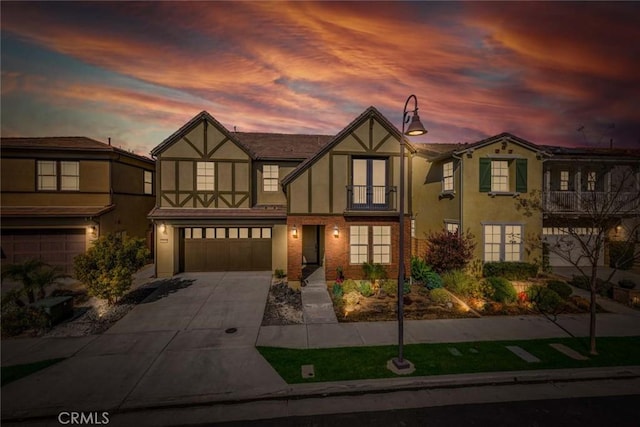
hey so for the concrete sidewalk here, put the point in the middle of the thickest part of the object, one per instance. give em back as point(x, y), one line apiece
point(176, 351)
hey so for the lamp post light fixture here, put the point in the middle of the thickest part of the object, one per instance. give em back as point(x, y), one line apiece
point(415, 128)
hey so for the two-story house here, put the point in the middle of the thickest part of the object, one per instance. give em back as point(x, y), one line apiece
point(254, 201)
point(60, 193)
point(474, 187)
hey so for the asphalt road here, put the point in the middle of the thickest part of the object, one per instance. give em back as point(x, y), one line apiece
point(614, 411)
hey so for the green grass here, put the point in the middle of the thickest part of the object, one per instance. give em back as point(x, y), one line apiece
point(15, 372)
point(355, 363)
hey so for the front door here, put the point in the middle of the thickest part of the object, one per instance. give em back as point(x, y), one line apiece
point(311, 244)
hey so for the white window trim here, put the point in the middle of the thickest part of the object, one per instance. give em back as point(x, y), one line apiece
point(359, 244)
point(494, 186)
point(385, 232)
point(448, 184)
point(66, 177)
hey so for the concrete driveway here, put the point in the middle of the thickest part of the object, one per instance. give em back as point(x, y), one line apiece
point(175, 348)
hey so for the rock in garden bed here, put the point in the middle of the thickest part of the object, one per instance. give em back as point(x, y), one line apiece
point(284, 306)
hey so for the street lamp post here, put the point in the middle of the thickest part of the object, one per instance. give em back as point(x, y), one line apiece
point(415, 128)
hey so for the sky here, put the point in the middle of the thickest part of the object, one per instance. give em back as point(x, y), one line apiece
point(553, 73)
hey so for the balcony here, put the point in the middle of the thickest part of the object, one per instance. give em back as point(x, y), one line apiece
point(371, 198)
point(588, 202)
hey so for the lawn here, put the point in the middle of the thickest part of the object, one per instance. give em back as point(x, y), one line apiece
point(356, 363)
point(15, 372)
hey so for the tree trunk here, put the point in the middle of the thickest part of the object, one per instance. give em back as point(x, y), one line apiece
point(592, 318)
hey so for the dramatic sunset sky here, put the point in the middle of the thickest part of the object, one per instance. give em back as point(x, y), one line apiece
point(552, 73)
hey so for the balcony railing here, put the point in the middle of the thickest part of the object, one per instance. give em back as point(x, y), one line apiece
point(370, 197)
point(590, 201)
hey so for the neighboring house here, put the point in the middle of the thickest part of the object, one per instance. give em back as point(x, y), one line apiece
point(60, 193)
point(246, 201)
point(475, 187)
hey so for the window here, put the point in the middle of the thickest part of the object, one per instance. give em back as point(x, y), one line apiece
point(270, 177)
point(47, 175)
point(148, 182)
point(69, 176)
point(369, 179)
point(209, 233)
point(381, 244)
point(564, 180)
point(205, 176)
point(452, 227)
point(591, 181)
point(221, 233)
point(499, 176)
point(502, 242)
point(413, 227)
point(359, 244)
point(196, 233)
point(447, 177)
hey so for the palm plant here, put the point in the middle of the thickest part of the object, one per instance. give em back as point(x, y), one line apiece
point(26, 273)
point(46, 276)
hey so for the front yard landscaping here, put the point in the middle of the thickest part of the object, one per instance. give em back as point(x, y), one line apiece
point(358, 363)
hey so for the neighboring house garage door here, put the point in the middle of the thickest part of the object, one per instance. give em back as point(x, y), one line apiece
point(227, 249)
point(569, 246)
point(55, 247)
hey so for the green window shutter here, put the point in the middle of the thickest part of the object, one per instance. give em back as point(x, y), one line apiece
point(521, 175)
point(485, 175)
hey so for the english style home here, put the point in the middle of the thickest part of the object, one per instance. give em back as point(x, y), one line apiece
point(257, 201)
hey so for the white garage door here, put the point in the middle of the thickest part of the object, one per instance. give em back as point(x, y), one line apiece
point(564, 246)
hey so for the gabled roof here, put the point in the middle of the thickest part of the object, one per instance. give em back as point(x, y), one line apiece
point(278, 146)
point(65, 143)
point(435, 152)
point(195, 121)
point(368, 113)
point(591, 152)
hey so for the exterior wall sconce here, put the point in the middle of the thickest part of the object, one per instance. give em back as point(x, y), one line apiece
point(92, 230)
point(163, 228)
point(294, 232)
point(336, 231)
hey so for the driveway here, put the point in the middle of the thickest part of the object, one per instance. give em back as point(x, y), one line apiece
point(193, 344)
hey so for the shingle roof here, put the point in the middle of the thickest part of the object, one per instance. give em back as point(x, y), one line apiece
point(64, 143)
point(282, 146)
point(55, 211)
point(440, 151)
point(235, 214)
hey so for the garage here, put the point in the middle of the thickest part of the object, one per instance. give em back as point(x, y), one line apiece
point(568, 246)
point(226, 249)
point(55, 247)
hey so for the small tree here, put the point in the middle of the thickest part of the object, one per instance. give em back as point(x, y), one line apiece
point(107, 267)
point(25, 273)
point(448, 251)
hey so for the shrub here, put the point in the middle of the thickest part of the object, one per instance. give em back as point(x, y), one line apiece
point(448, 251)
point(337, 290)
point(406, 287)
point(474, 268)
point(18, 317)
point(510, 270)
point(580, 282)
point(463, 285)
point(365, 288)
point(503, 290)
point(351, 299)
point(419, 269)
point(389, 287)
point(107, 267)
point(560, 287)
point(439, 296)
point(433, 280)
point(280, 274)
point(545, 299)
point(374, 271)
point(602, 287)
point(350, 285)
point(621, 255)
point(627, 284)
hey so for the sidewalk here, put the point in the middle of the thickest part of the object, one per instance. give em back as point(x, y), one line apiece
point(137, 366)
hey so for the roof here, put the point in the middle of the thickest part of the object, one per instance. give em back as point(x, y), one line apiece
point(369, 112)
point(65, 143)
point(55, 211)
point(592, 151)
point(235, 214)
point(282, 146)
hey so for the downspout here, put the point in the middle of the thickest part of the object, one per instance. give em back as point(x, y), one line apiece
point(156, 185)
point(460, 227)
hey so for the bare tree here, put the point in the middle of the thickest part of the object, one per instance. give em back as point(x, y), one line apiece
point(586, 220)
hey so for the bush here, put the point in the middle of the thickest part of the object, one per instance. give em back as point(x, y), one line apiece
point(18, 318)
point(439, 296)
point(374, 272)
point(545, 299)
point(108, 266)
point(448, 251)
point(602, 287)
point(419, 270)
point(432, 280)
point(337, 290)
point(503, 290)
point(560, 287)
point(406, 287)
point(510, 270)
point(351, 299)
point(389, 287)
point(463, 285)
point(279, 273)
point(350, 285)
point(580, 282)
point(365, 288)
point(621, 255)
point(627, 284)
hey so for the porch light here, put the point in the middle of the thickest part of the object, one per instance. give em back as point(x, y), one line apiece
point(415, 128)
point(294, 232)
point(92, 230)
point(163, 228)
point(336, 231)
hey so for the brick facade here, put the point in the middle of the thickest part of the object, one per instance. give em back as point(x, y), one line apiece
point(336, 249)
